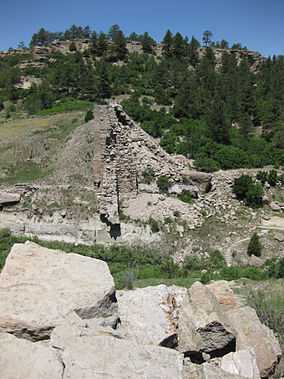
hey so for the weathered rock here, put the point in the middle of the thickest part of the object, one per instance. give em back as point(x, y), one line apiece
point(207, 371)
point(20, 359)
point(252, 334)
point(203, 327)
point(150, 315)
point(242, 363)
point(7, 198)
point(39, 287)
point(93, 352)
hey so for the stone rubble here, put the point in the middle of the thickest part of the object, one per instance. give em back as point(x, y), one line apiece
point(59, 319)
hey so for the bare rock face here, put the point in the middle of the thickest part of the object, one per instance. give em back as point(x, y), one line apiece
point(8, 198)
point(252, 334)
point(107, 356)
point(213, 322)
point(207, 371)
point(150, 315)
point(40, 287)
point(20, 359)
point(242, 363)
point(203, 327)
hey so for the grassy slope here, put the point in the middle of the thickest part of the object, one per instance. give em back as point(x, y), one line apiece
point(28, 146)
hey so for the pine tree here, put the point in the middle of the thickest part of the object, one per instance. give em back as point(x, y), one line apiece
point(254, 247)
point(193, 52)
point(119, 45)
point(178, 46)
point(168, 44)
point(147, 43)
point(102, 45)
point(207, 38)
point(104, 88)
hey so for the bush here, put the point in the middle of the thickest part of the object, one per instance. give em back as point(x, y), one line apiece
point(245, 189)
point(207, 164)
point(169, 267)
point(185, 196)
point(254, 195)
point(89, 116)
point(272, 178)
point(129, 279)
point(262, 177)
point(163, 184)
point(154, 225)
point(254, 247)
point(148, 175)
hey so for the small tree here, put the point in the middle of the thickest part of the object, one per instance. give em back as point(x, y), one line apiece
point(163, 184)
point(89, 116)
point(272, 178)
point(72, 47)
point(254, 247)
point(207, 38)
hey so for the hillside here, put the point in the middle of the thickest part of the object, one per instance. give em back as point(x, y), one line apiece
point(141, 208)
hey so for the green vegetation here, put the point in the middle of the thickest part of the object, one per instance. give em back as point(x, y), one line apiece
point(185, 197)
point(148, 175)
point(163, 184)
point(89, 116)
point(209, 115)
point(138, 266)
point(254, 247)
point(247, 190)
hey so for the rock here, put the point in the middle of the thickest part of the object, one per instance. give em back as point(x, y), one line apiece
point(224, 294)
point(241, 363)
point(20, 359)
point(275, 207)
point(96, 353)
point(39, 287)
point(252, 334)
point(203, 326)
point(207, 371)
point(7, 198)
point(150, 315)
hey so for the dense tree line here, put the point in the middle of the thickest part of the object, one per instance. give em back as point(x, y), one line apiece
point(222, 115)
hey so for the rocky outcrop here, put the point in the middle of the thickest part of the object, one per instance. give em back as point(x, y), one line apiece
point(150, 315)
point(212, 322)
point(59, 319)
point(242, 363)
point(20, 359)
point(8, 198)
point(40, 287)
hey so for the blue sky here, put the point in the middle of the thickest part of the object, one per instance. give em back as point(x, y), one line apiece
point(255, 23)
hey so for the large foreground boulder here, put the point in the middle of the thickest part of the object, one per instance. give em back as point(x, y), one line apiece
point(40, 287)
point(203, 327)
point(20, 359)
point(150, 315)
point(213, 324)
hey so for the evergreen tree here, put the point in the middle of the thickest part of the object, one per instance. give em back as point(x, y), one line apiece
point(207, 38)
point(168, 44)
point(119, 48)
point(102, 44)
point(193, 52)
point(104, 88)
point(218, 121)
point(254, 247)
point(147, 43)
point(178, 46)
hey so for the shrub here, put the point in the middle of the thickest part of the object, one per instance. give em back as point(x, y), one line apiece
point(245, 189)
point(169, 267)
point(216, 260)
point(206, 277)
point(254, 247)
point(154, 225)
point(254, 195)
point(129, 279)
point(272, 178)
point(207, 164)
point(262, 177)
point(275, 268)
point(89, 116)
point(163, 183)
point(185, 196)
point(148, 175)
point(192, 263)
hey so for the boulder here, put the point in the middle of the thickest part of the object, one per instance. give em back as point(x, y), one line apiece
point(8, 198)
point(203, 326)
point(242, 363)
point(252, 334)
point(40, 287)
point(150, 315)
point(93, 352)
point(207, 371)
point(20, 359)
